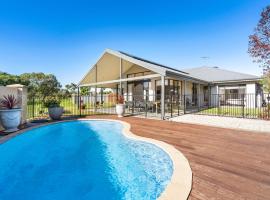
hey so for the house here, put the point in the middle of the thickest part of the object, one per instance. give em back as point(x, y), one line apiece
point(155, 88)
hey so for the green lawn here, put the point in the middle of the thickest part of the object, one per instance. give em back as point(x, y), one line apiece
point(37, 110)
point(233, 111)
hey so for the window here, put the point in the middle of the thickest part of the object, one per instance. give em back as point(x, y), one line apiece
point(172, 87)
point(130, 75)
point(206, 93)
point(138, 74)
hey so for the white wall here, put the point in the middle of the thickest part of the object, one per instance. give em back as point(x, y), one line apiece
point(214, 94)
point(251, 88)
point(251, 99)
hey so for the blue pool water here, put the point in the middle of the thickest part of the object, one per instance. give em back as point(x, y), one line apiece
point(81, 160)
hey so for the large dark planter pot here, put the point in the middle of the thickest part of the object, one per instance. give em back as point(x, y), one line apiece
point(55, 113)
point(10, 119)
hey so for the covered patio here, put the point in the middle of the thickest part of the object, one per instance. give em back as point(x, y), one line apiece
point(149, 89)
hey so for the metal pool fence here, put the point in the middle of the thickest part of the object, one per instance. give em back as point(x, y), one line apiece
point(232, 105)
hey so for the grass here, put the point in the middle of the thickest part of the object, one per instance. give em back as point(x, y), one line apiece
point(35, 109)
point(233, 111)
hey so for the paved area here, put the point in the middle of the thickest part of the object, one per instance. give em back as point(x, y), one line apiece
point(225, 122)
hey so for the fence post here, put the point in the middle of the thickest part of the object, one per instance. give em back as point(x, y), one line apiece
point(268, 106)
point(33, 107)
point(198, 102)
point(243, 106)
point(178, 103)
point(184, 104)
point(79, 102)
point(218, 101)
point(133, 104)
point(146, 106)
point(171, 106)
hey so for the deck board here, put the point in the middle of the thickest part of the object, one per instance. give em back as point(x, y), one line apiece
point(226, 164)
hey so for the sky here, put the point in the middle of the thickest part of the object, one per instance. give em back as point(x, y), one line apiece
point(66, 38)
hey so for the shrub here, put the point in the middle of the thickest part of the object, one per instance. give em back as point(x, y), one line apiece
point(8, 102)
point(83, 106)
point(120, 99)
point(51, 102)
point(265, 113)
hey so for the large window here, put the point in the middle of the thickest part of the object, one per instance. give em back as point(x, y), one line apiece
point(138, 74)
point(172, 88)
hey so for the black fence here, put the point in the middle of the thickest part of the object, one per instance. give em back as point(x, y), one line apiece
point(232, 105)
point(235, 105)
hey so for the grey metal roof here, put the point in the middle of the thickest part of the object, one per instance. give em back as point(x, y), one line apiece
point(215, 74)
point(201, 74)
point(153, 66)
point(151, 62)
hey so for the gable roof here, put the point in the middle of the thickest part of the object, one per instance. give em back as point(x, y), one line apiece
point(153, 66)
point(147, 64)
point(215, 74)
point(202, 74)
point(153, 63)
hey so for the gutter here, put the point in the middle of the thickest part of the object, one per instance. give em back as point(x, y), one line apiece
point(235, 81)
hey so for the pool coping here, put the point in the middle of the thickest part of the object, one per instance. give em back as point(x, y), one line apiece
point(180, 184)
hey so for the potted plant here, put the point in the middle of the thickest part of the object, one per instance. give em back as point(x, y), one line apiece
point(120, 106)
point(10, 113)
point(83, 106)
point(54, 108)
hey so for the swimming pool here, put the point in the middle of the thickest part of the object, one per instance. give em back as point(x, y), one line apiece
point(82, 160)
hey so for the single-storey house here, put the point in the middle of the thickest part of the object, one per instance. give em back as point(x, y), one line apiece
point(158, 88)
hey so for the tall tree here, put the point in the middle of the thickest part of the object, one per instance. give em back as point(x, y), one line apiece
point(71, 88)
point(7, 79)
point(259, 42)
point(259, 46)
point(41, 85)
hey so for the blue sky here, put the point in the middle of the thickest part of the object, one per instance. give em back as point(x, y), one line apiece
point(66, 37)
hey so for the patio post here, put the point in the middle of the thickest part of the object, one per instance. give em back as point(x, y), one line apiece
point(95, 99)
point(79, 101)
point(101, 95)
point(185, 83)
point(209, 96)
point(120, 77)
point(199, 99)
point(95, 104)
point(162, 103)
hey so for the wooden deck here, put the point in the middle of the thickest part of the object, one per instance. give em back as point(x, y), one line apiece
point(226, 164)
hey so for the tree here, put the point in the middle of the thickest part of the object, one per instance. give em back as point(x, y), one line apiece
point(70, 89)
point(259, 46)
point(7, 79)
point(41, 85)
point(266, 81)
point(84, 91)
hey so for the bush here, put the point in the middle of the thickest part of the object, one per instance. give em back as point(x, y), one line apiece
point(8, 102)
point(51, 102)
point(120, 99)
point(265, 113)
point(83, 106)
